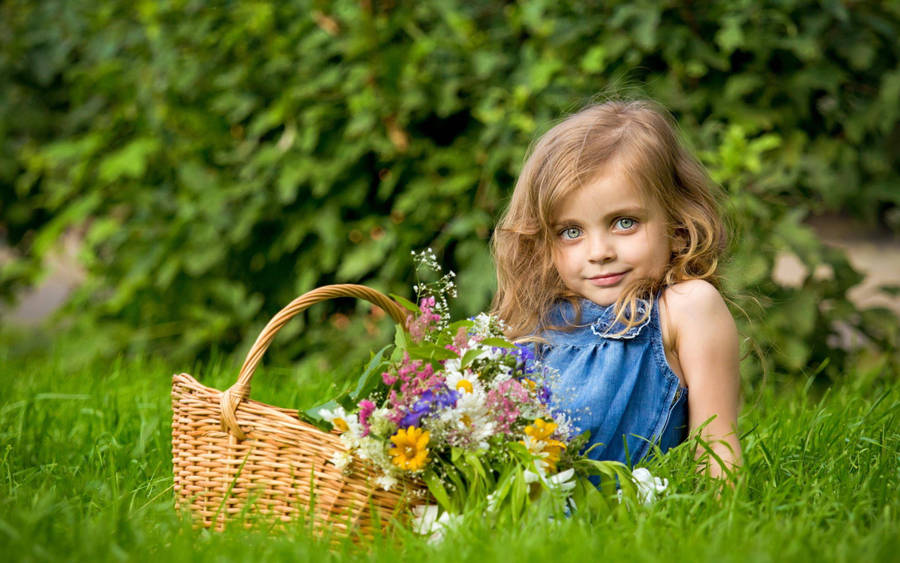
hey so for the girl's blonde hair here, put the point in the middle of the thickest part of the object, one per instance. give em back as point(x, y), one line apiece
point(638, 137)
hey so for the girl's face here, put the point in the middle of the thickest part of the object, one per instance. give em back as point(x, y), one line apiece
point(606, 235)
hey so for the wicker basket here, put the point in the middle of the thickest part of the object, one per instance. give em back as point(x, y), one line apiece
point(234, 457)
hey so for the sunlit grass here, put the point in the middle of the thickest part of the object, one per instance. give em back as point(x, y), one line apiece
point(85, 474)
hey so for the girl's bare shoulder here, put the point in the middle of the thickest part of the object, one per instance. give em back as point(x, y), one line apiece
point(695, 308)
point(693, 297)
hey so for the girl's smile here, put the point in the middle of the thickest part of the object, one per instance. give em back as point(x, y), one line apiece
point(608, 279)
point(607, 236)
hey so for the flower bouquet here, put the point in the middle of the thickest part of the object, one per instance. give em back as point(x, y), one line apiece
point(468, 412)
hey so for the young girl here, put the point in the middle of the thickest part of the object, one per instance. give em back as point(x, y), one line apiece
point(607, 259)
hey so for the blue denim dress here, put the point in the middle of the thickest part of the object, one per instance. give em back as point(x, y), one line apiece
point(618, 386)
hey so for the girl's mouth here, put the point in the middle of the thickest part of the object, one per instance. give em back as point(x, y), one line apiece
point(607, 279)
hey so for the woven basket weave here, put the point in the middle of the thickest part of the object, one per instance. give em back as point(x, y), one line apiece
point(233, 456)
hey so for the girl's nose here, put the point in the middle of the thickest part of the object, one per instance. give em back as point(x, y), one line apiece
point(602, 249)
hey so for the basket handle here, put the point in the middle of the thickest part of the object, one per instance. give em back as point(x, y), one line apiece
point(232, 396)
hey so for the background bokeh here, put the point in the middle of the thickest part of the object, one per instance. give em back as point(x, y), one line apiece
point(215, 160)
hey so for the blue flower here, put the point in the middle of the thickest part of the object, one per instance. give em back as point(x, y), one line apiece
point(544, 394)
point(439, 396)
point(525, 355)
point(414, 415)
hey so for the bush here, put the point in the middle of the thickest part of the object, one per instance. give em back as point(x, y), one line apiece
point(221, 161)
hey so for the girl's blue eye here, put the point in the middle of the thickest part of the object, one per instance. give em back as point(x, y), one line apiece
point(570, 233)
point(625, 223)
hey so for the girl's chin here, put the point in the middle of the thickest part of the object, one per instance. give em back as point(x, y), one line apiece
point(602, 298)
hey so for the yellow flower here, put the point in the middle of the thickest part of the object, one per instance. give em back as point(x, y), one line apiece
point(340, 424)
point(541, 430)
point(410, 452)
point(465, 385)
point(553, 449)
point(539, 443)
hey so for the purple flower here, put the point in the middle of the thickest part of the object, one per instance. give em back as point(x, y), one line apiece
point(438, 397)
point(415, 414)
point(525, 355)
point(543, 394)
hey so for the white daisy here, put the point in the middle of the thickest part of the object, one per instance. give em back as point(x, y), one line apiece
point(470, 424)
point(337, 417)
point(463, 382)
point(564, 481)
point(427, 522)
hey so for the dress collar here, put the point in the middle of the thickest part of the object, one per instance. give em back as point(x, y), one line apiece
point(601, 319)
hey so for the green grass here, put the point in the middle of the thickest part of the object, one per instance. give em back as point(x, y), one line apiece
point(85, 474)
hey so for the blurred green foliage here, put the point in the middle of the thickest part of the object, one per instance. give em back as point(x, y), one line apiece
point(221, 160)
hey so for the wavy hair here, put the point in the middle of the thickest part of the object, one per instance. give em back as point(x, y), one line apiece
point(638, 136)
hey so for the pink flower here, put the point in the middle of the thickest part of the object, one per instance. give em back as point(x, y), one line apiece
point(366, 408)
point(503, 404)
point(415, 327)
point(419, 326)
point(461, 338)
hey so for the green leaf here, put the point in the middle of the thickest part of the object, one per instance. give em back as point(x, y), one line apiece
point(519, 493)
point(401, 338)
point(589, 500)
point(470, 356)
point(475, 463)
point(463, 323)
point(731, 35)
point(360, 260)
point(436, 488)
point(316, 421)
point(405, 303)
point(370, 377)
point(504, 485)
point(130, 161)
point(312, 415)
point(594, 60)
point(498, 342)
point(430, 351)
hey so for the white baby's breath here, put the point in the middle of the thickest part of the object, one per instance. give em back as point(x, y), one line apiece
point(379, 424)
point(341, 459)
point(371, 449)
point(482, 325)
point(386, 481)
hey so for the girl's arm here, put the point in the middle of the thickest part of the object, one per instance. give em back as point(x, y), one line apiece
point(705, 342)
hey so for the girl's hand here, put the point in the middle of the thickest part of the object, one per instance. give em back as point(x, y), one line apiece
point(701, 337)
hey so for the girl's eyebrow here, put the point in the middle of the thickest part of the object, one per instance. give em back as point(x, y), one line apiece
point(628, 211)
